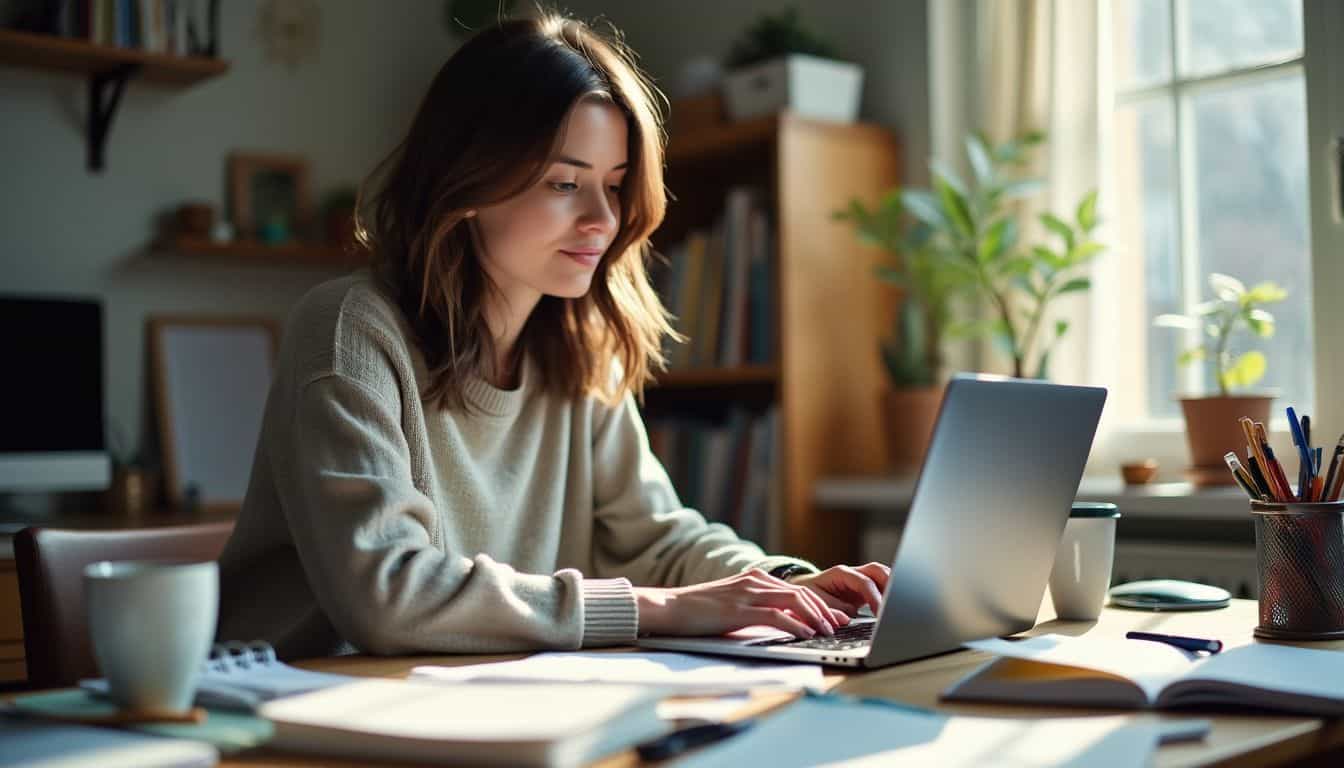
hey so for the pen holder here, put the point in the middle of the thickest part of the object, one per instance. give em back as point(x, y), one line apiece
point(1299, 549)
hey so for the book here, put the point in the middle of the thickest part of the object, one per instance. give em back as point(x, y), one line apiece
point(242, 676)
point(521, 724)
point(1137, 674)
point(80, 746)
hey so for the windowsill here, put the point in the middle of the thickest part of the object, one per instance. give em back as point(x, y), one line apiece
point(889, 497)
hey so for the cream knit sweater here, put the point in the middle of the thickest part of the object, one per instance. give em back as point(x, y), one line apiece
point(375, 523)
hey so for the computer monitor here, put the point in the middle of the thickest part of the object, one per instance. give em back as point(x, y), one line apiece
point(51, 396)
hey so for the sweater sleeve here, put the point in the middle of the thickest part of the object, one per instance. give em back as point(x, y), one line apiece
point(643, 533)
point(367, 540)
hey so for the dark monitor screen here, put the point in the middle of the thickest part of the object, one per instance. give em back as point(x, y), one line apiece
point(51, 391)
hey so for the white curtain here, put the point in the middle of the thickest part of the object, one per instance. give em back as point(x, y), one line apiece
point(1037, 70)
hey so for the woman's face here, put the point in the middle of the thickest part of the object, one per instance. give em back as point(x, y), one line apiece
point(549, 239)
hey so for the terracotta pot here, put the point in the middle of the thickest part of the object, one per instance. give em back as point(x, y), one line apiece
point(909, 415)
point(1212, 429)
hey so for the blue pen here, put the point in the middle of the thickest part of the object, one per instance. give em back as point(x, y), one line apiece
point(1303, 452)
point(1184, 643)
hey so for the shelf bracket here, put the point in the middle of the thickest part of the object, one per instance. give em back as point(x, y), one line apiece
point(105, 90)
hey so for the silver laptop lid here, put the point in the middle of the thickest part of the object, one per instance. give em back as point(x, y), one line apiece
point(998, 481)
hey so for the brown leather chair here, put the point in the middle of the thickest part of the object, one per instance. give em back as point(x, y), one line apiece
point(50, 564)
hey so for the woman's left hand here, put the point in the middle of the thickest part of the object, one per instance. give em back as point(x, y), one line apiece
point(849, 588)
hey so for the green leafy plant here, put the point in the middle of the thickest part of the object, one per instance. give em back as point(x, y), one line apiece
point(1233, 307)
point(774, 35)
point(928, 283)
point(959, 240)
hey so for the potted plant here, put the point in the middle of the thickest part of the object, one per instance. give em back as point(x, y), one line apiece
point(1211, 422)
point(338, 217)
point(781, 64)
point(960, 241)
point(913, 355)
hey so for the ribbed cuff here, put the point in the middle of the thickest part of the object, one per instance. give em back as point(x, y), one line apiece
point(610, 614)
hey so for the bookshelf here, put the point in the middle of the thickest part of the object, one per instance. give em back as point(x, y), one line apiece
point(822, 375)
point(108, 69)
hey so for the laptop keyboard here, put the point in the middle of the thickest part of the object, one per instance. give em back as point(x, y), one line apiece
point(846, 637)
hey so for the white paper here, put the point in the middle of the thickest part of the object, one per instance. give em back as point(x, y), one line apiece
point(680, 673)
point(822, 732)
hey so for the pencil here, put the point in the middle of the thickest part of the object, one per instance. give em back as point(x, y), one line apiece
point(1253, 444)
point(1275, 469)
point(1317, 489)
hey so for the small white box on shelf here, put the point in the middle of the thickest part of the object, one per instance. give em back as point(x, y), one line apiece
point(808, 86)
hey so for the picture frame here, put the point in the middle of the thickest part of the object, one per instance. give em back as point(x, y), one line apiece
point(210, 376)
point(268, 196)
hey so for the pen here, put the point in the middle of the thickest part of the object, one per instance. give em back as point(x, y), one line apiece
point(1306, 436)
point(1304, 467)
point(1253, 467)
point(1185, 643)
point(1332, 481)
point(677, 742)
point(1243, 477)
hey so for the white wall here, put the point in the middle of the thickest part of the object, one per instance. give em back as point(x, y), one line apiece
point(64, 230)
point(889, 38)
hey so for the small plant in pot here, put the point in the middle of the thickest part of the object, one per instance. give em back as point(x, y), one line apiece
point(1211, 425)
point(779, 63)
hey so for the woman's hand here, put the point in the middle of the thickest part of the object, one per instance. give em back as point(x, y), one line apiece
point(744, 600)
point(847, 588)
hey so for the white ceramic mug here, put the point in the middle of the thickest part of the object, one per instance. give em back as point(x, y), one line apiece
point(152, 624)
point(1082, 571)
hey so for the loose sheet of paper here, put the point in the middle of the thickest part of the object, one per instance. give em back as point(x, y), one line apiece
point(822, 731)
point(680, 673)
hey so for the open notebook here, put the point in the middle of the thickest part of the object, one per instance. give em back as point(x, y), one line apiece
point(1104, 672)
point(243, 676)
point(515, 724)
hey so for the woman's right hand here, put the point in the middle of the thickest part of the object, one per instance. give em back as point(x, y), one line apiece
point(748, 599)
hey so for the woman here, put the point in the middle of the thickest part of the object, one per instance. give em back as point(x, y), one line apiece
point(451, 459)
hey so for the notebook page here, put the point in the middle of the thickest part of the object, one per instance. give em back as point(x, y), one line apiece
point(1150, 665)
point(1282, 669)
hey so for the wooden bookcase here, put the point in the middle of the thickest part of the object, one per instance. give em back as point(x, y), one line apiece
point(826, 376)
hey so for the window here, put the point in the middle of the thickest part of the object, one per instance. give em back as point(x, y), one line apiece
point(1208, 173)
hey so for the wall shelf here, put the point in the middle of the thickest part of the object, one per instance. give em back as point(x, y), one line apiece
point(108, 69)
point(258, 253)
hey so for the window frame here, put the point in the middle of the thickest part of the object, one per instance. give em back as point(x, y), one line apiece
point(1161, 437)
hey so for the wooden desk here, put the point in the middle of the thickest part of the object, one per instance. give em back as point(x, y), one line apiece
point(1235, 739)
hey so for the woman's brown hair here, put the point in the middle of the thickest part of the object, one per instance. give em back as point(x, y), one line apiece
point(485, 131)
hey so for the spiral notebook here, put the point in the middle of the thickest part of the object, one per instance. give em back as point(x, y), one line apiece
point(243, 676)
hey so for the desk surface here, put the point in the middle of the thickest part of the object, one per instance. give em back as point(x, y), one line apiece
point(1234, 740)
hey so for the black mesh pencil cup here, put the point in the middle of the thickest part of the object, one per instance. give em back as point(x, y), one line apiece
point(1299, 549)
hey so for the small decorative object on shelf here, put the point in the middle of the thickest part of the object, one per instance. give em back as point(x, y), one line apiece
point(1139, 472)
point(338, 216)
point(268, 196)
point(195, 219)
point(780, 64)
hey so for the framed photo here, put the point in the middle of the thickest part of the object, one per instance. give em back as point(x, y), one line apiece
point(268, 196)
point(210, 377)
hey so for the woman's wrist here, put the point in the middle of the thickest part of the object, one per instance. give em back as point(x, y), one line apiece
point(651, 603)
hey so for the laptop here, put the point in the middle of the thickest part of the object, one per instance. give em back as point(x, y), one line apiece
point(988, 510)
